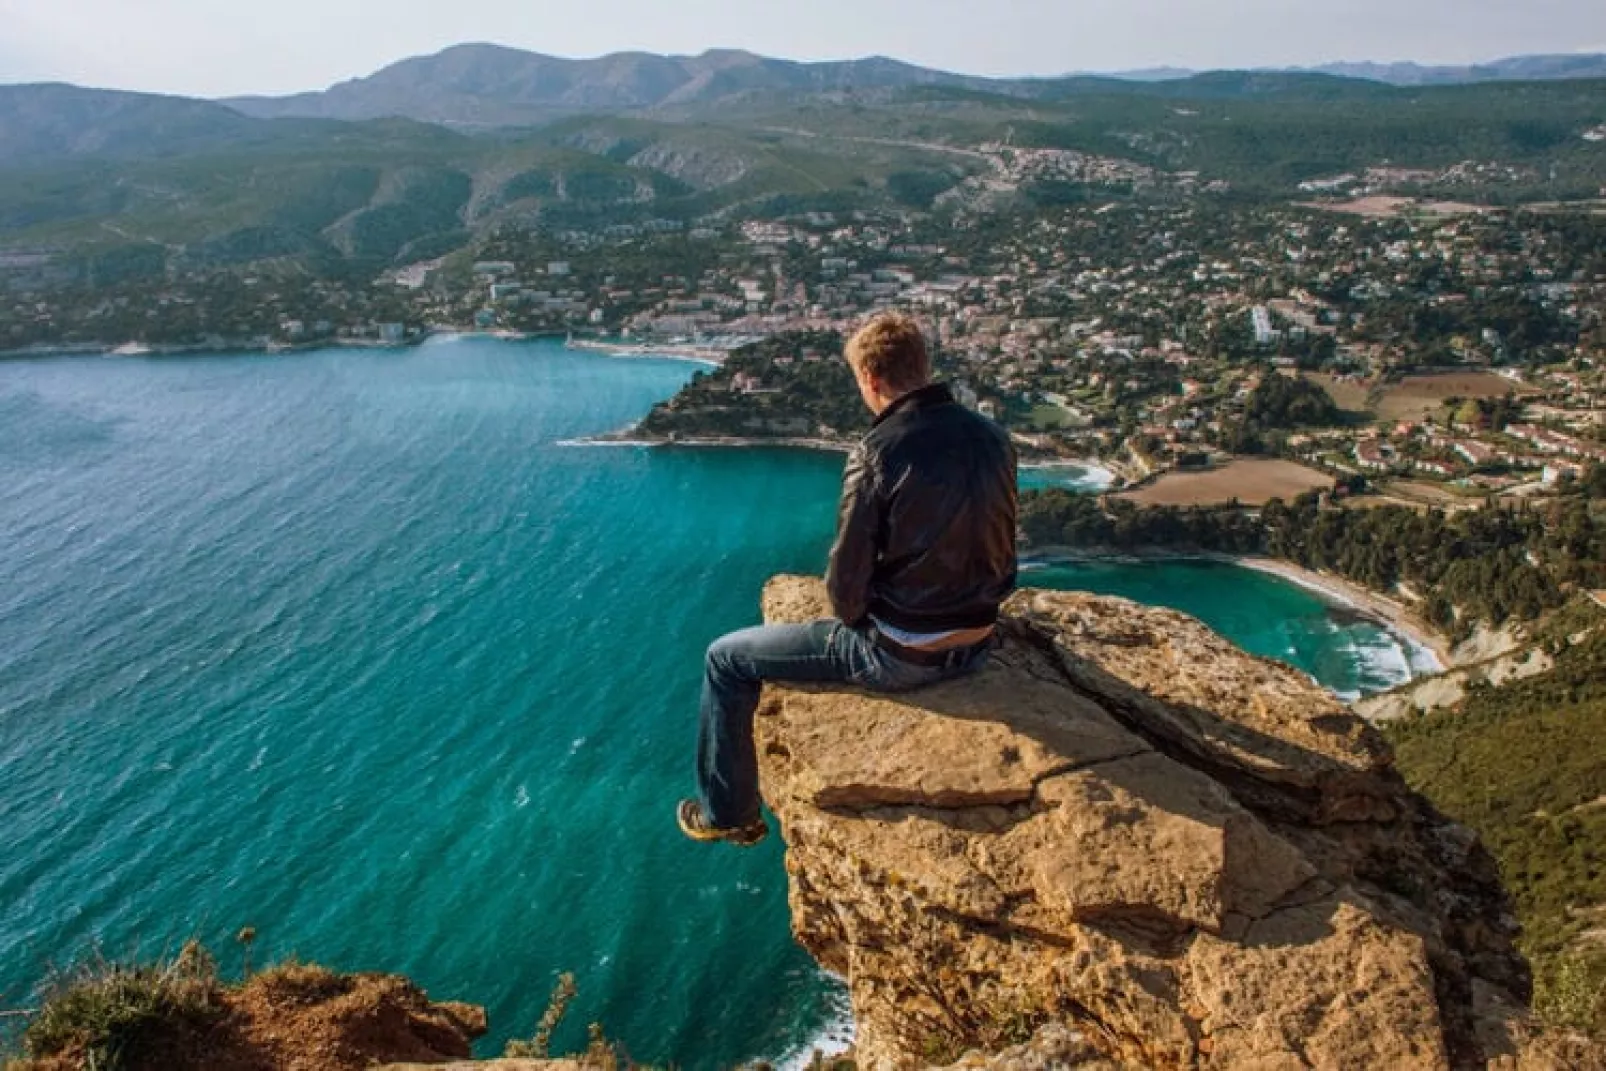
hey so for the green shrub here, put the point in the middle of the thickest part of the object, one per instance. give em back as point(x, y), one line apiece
point(1570, 992)
point(118, 1015)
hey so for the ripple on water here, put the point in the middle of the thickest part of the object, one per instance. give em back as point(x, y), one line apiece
point(346, 648)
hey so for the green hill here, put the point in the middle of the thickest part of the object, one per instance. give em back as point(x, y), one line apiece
point(1523, 765)
point(193, 183)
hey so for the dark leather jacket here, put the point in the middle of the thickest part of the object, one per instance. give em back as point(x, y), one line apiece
point(926, 528)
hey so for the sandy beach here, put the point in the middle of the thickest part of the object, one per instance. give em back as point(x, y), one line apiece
point(1399, 618)
point(700, 354)
point(629, 437)
point(1395, 617)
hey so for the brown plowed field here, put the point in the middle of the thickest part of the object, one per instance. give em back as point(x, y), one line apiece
point(1252, 483)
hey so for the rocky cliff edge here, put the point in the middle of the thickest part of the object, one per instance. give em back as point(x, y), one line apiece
point(1128, 842)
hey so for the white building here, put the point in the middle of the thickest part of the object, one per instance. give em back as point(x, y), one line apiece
point(1260, 320)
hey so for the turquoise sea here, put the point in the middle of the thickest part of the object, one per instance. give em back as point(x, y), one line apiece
point(357, 648)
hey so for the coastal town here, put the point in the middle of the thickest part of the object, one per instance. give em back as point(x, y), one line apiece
point(1461, 354)
point(1443, 353)
point(355, 434)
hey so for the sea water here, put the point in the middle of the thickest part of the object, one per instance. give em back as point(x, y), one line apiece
point(348, 647)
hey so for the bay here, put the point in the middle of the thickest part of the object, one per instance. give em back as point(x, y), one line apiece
point(351, 647)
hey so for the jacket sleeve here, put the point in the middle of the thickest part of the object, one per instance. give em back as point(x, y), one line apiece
point(858, 534)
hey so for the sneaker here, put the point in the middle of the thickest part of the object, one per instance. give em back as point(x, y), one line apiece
point(695, 824)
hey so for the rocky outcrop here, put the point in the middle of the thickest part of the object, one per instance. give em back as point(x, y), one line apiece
point(302, 1018)
point(177, 1016)
point(1128, 838)
point(494, 1065)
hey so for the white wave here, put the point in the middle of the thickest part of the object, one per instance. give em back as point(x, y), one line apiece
point(1091, 476)
point(1419, 658)
point(606, 442)
point(1380, 664)
point(1423, 659)
point(631, 353)
point(687, 358)
point(832, 1039)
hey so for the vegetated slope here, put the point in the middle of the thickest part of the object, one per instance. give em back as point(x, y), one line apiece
point(1512, 68)
point(95, 170)
point(1523, 764)
point(52, 121)
point(492, 85)
point(811, 395)
point(1264, 134)
point(1270, 144)
point(489, 85)
point(385, 190)
point(233, 203)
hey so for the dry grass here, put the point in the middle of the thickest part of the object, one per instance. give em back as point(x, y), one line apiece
point(121, 1017)
point(1379, 501)
point(175, 1015)
point(1370, 207)
point(1251, 483)
point(1415, 397)
point(1350, 395)
point(1382, 206)
point(1433, 494)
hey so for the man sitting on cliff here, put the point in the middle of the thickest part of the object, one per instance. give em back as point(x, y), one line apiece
point(924, 554)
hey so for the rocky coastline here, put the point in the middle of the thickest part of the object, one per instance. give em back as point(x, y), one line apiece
point(1129, 844)
point(1124, 844)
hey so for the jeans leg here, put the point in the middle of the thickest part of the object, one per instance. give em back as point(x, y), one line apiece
point(735, 670)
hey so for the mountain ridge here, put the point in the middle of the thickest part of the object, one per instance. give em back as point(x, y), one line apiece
point(1407, 73)
point(492, 85)
point(488, 85)
point(498, 137)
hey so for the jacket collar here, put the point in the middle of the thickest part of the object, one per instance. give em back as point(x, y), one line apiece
point(923, 398)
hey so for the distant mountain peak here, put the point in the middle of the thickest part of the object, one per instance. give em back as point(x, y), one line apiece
point(485, 84)
point(1408, 73)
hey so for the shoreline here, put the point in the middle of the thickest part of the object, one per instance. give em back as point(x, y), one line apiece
point(698, 354)
point(1103, 476)
point(1416, 635)
point(236, 348)
point(436, 333)
point(1396, 616)
point(628, 437)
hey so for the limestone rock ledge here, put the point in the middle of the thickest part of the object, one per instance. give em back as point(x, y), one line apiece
point(1129, 840)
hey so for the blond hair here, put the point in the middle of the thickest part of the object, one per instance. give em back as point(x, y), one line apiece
point(891, 348)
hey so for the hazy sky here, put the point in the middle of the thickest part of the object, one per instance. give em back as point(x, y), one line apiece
point(222, 47)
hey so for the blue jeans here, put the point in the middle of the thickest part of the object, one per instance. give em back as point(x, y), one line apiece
point(736, 668)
